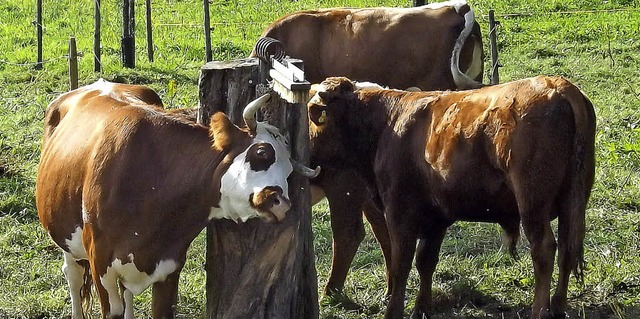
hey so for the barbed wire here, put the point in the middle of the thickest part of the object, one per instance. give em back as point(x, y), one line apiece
point(33, 64)
point(530, 14)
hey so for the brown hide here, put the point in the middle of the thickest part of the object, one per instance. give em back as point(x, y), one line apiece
point(395, 47)
point(516, 153)
point(138, 181)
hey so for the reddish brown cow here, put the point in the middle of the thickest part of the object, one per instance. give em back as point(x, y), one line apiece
point(127, 187)
point(424, 46)
point(516, 153)
point(397, 47)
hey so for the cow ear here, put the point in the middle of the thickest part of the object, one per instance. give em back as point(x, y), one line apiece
point(222, 131)
point(318, 114)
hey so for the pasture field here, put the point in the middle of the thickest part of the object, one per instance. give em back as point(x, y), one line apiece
point(597, 50)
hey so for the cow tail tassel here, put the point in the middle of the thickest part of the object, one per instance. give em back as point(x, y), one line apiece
point(85, 291)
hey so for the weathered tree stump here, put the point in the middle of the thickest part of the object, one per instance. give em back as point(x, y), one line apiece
point(258, 269)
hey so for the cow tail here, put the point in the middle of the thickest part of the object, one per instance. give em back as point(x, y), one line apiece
point(462, 80)
point(85, 291)
point(581, 175)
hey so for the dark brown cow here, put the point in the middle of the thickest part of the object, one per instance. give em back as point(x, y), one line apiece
point(127, 187)
point(421, 47)
point(425, 46)
point(516, 153)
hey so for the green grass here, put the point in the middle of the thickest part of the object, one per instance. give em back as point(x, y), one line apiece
point(598, 51)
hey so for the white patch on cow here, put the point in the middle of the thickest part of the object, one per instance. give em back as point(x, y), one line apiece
point(457, 4)
point(75, 246)
point(369, 86)
point(85, 213)
point(75, 278)
point(133, 280)
point(239, 181)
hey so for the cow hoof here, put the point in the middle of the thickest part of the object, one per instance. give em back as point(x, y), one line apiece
point(419, 315)
point(341, 300)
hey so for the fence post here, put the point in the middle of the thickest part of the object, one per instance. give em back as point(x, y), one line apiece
point(254, 269)
point(73, 64)
point(39, 33)
point(417, 3)
point(149, 32)
point(495, 64)
point(128, 34)
point(97, 65)
point(207, 31)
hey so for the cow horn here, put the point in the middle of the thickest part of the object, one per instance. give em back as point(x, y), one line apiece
point(249, 113)
point(305, 171)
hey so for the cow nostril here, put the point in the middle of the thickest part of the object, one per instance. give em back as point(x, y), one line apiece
point(276, 201)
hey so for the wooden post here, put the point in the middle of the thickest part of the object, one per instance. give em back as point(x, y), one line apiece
point(128, 34)
point(39, 33)
point(495, 64)
point(73, 64)
point(257, 269)
point(97, 65)
point(207, 31)
point(149, 32)
point(417, 3)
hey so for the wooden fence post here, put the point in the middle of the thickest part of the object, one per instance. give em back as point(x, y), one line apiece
point(97, 64)
point(149, 32)
point(128, 34)
point(73, 64)
point(256, 269)
point(39, 33)
point(495, 64)
point(207, 31)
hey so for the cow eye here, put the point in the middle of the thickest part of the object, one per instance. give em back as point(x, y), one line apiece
point(261, 151)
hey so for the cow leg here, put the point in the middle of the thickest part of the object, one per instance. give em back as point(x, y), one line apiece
point(165, 297)
point(380, 231)
point(537, 228)
point(111, 302)
point(74, 273)
point(559, 299)
point(346, 196)
point(403, 245)
point(426, 261)
point(127, 296)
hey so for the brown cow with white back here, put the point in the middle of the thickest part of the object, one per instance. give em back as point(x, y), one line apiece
point(519, 153)
point(425, 47)
point(126, 186)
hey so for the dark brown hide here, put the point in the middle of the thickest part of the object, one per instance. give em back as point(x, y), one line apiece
point(516, 153)
point(396, 47)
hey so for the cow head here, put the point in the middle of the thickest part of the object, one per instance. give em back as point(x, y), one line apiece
point(327, 129)
point(255, 182)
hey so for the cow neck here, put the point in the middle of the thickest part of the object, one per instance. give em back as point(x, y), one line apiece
point(366, 118)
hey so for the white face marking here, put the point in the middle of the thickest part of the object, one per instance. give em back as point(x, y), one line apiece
point(239, 181)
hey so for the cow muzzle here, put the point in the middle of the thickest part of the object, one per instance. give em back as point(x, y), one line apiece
point(270, 203)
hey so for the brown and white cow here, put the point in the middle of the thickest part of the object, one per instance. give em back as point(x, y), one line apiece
point(425, 46)
point(126, 186)
point(516, 153)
